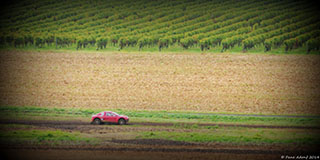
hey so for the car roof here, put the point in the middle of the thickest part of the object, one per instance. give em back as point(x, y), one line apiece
point(106, 112)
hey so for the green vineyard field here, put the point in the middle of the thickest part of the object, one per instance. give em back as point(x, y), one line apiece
point(201, 24)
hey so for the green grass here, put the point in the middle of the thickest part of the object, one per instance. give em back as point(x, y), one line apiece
point(171, 49)
point(29, 112)
point(28, 134)
point(237, 136)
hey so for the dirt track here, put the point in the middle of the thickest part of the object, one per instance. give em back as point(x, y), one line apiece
point(54, 154)
point(152, 148)
point(61, 124)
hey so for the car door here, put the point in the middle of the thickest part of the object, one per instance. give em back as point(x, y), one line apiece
point(108, 117)
point(103, 116)
point(113, 118)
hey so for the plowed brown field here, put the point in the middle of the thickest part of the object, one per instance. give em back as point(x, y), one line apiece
point(240, 83)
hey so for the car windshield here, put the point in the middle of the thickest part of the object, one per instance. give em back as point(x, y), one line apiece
point(115, 113)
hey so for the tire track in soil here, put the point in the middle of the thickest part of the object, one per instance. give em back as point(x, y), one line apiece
point(47, 122)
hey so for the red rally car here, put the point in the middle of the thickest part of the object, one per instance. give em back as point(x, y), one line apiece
point(109, 117)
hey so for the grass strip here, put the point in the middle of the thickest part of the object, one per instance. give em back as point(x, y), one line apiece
point(237, 136)
point(155, 116)
point(37, 136)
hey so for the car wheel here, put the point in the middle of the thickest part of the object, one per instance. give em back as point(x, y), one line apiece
point(122, 122)
point(97, 121)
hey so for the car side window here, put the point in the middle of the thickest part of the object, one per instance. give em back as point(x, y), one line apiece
point(102, 114)
point(108, 114)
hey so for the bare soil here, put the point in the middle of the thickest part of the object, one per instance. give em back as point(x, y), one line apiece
point(64, 124)
point(54, 154)
point(239, 83)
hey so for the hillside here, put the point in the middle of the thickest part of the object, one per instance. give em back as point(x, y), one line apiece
point(201, 24)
